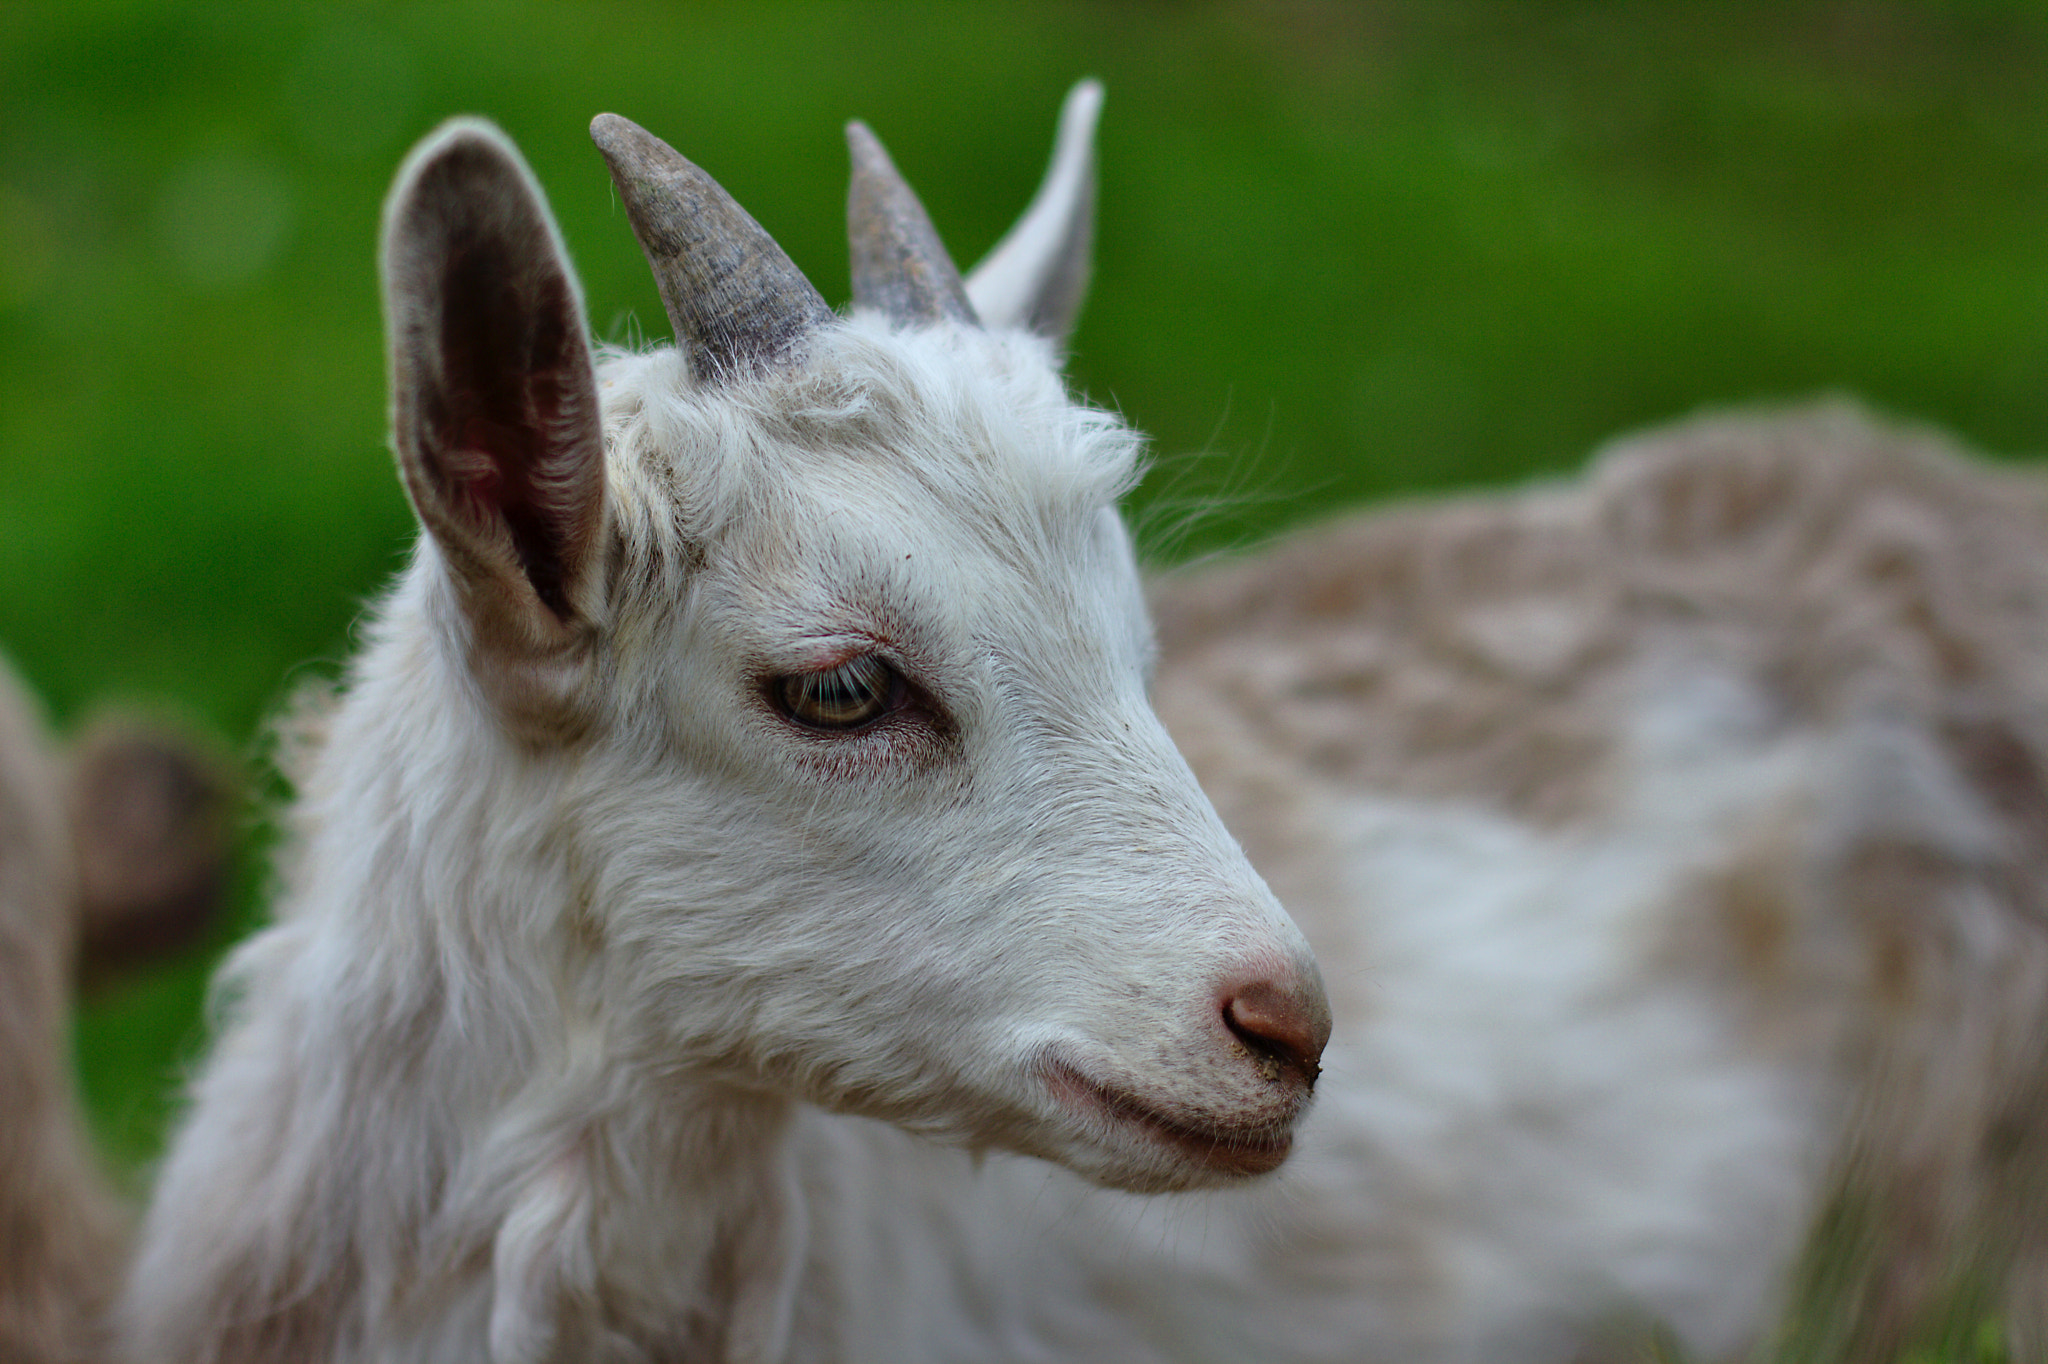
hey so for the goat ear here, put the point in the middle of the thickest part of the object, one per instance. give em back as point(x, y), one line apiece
point(1036, 276)
point(493, 396)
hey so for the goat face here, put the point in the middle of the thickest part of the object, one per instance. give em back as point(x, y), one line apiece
point(831, 646)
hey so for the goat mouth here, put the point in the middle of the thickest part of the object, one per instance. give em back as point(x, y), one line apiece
point(1226, 1148)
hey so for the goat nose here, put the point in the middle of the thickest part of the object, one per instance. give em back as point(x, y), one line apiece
point(1284, 1029)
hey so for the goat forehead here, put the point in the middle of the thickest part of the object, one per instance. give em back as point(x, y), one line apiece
point(942, 476)
point(892, 563)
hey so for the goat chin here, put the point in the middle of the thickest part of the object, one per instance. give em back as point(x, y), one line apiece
point(747, 836)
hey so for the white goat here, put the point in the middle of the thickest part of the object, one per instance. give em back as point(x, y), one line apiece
point(1674, 840)
point(761, 723)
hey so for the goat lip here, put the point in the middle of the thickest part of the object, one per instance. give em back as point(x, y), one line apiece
point(1251, 1149)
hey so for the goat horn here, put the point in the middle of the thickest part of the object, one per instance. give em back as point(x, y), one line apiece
point(735, 300)
point(899, 264)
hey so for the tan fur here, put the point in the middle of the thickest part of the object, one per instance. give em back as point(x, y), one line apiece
point(61, 1227)
point(112, 855)
point(1872, 583)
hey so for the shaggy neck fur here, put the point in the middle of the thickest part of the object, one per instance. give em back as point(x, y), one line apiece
point(453, 1105)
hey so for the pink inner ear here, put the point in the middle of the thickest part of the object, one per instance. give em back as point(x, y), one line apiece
point(492, 475)
point(476, 482)
point(488, 470)
point(501, 395)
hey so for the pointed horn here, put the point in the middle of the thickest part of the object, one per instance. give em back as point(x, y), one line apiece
point(736, 302)
point(899, 264)
point(1037, 275)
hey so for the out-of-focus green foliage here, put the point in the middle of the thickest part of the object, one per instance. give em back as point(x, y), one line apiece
point(1348, 250)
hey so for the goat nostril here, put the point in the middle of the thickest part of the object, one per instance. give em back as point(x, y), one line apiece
point(1281, 1028)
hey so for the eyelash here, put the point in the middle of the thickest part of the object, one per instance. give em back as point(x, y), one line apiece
point(842, 700)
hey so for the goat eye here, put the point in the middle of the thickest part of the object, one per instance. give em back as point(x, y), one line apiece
point(853, 694)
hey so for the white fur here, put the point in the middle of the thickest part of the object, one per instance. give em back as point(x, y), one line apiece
point(514, 1072)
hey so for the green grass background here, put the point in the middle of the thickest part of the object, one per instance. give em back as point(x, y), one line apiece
point(1347, 251)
